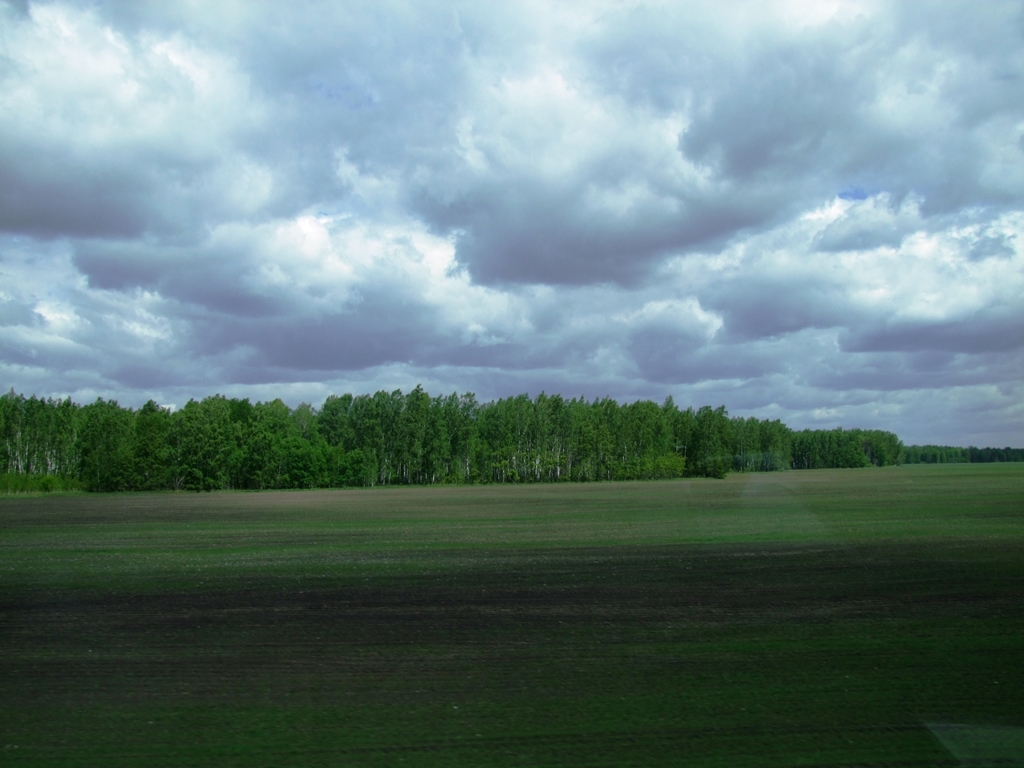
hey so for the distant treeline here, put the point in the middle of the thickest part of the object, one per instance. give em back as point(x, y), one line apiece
point(948, 454)
point(391, 438)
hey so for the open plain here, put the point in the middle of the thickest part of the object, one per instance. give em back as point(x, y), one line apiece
point(819, 618)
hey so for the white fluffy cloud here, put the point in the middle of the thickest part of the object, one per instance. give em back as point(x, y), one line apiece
point(811, 211)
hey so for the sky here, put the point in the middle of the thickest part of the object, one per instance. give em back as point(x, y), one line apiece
point(811, 211)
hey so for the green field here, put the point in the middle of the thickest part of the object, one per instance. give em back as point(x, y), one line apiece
point(822, 618)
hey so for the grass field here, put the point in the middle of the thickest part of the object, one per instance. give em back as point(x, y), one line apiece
point(824, 618)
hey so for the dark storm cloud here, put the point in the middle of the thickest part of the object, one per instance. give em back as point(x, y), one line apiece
point(50, 193)
point(550, 236)
point(126, 264)
point(202, 275)
point(768, 307)
point(332, 343)
point(993, 330)
point(378, 330)
point(46, 196)
point(782, 113)
point(673, 365)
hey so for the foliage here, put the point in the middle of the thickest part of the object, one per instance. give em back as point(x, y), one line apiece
point(106, 447)
point(845, 448)
point(948, 454)
point(15, 483)
point(396, 438)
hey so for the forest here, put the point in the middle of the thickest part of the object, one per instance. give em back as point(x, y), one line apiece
point(948, 454)
point(396, 438)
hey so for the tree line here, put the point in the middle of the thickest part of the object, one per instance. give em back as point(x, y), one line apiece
point(948, 454)
point(396, 438)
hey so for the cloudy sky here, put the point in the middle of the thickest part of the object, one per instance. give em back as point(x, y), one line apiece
point(811, 211)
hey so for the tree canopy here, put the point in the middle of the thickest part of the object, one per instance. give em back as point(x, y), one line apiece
point(396, 438)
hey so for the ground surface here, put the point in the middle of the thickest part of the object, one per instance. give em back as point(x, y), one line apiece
point(826, 618)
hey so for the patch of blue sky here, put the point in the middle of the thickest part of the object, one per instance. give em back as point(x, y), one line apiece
point(350, 94)
point(855, 192)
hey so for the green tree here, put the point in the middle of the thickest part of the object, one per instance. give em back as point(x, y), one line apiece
point(152, 449)
point(106, 447)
